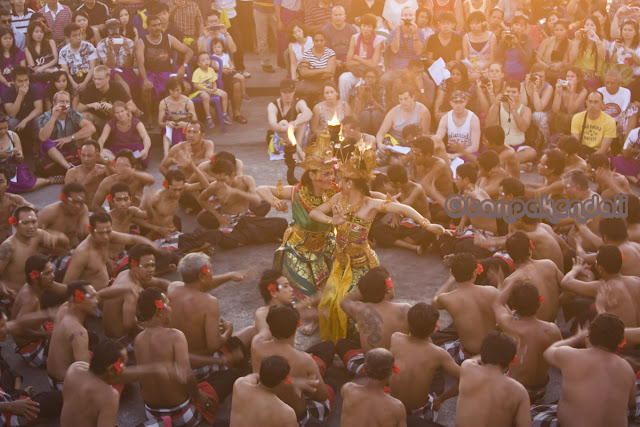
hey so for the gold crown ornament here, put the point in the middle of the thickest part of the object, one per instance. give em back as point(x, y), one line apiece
point(360, 163)
point(319, 155)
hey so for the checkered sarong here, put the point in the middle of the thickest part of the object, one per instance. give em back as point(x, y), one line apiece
point(185, 415)
point(455, 349)
point(319, 410)
point(54, 383)
point(205, 372)
point(9, 419)
point(33, 354)
point(544, 416)
point(354, 361)
point(426, 411)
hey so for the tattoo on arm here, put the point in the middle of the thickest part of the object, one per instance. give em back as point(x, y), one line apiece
point(370, 323)
point(6, 250)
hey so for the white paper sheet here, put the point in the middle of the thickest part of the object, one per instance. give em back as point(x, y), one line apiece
point(439, 72)
point(454, 165)
point(399, 149)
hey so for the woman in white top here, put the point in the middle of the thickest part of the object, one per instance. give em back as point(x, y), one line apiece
point(298, 46)
point(462, 128)
point(479, 46)
point(393, 9)
point(626, 49)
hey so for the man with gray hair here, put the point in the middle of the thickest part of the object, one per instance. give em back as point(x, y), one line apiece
point(617, 103)
point(197, 315)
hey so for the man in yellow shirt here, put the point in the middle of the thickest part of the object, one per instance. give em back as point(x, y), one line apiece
point(593, 128)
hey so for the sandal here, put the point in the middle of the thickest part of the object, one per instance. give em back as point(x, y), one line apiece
point(240, 119)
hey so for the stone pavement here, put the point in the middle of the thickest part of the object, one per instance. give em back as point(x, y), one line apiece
point(416, 277)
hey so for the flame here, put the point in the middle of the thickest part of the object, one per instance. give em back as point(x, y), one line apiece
point(335, 231)
point(291, 134)
point(334, 120)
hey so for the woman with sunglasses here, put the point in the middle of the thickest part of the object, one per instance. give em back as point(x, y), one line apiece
point(12, 158)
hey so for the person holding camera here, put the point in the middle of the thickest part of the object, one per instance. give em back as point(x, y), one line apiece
point(370, 103)
point(61, 130)
point(116, 52)
point(514, 118)
point(536, 93)
point(407, 43)
point(516, 49)
point(488, 88)
point(588, 52)
point(568, 99)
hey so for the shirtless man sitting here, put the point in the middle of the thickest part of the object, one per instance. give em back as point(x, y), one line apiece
point(541, 273)
point(88, 396)
point(494, 139)
point(597, 385)
point(197, 315)
point(569, 146)
point(550, 168)
point(126, 173)
point(90, 172)
point(609, 182)
point(119, 314)
point(70, 340)
point(69, 216)
point(533, 336)
point(255, 401)
point(236, 225)
point(377, 317)
point(283, 322)
point(470, 306)
point(577, 187)
point(419, 359)
point(161, 206)
point(179, 396)
point(33, 339)
point(368, 404)
point(8, 203)
point(90, 261)
point(281, 293)
point(613, 292)
point(613, 232)
point(491, 173)
point(27, 240)
point(489, 398)
point(429, 170)
point(393, 230)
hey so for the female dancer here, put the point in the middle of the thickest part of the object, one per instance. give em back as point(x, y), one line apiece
point(353, 212)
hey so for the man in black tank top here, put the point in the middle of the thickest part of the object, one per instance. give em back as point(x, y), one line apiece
point(153, 55)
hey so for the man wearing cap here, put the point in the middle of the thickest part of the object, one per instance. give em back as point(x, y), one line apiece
point(117, 52)
point(285, 111)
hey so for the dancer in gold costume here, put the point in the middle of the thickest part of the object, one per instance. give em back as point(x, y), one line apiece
point(353, 211)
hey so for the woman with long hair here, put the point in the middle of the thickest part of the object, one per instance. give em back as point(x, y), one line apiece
point(325, 110)
point(299, 43)
point(60, 80)
point(568, 100)
point(127, 29)
point(479, 45)
point(89, 32)
point(587, 52)
point(626, 51)
point(459, 80)
point(10, 57)
point(307, 249)
point(553, 52)
point(351, 214)
point(41, 53)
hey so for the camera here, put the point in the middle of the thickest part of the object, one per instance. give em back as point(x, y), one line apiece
point(65, 107)
point(484, 80)
point(563, 82)
point(406, 21)
point(506, 98)
point(508, 35)
point(118, 41)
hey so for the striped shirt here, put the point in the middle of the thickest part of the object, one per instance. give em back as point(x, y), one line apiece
point(316, 16)
point(21, 22)
point(314, 63)
point(57, 20)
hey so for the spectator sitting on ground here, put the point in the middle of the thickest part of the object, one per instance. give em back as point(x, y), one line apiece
point(90, 33)
point(60, 81)
point(117, 52)
point(339, 34)
point(332, 106)
point(594, 128)
point(23, 103)
point(175, 112)
point(61, 128)
point(97, 12)
point(78, 58)
point(299, 43)
point(124, 131)
point(370, 103)
point(96, 102)
point(318, 64)
point(617, 103)
point(287, 111)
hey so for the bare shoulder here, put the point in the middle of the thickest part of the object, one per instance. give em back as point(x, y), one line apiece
point(6, 249)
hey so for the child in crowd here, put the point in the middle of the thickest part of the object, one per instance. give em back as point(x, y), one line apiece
point(228, 69)
point(204, 81)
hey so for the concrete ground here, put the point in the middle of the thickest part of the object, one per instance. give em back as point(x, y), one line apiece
point(416, 277)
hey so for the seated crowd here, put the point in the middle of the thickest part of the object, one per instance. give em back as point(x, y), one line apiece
point(486, 100)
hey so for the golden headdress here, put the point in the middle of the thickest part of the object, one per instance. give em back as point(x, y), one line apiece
point(360, 163)
point(319, 155)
